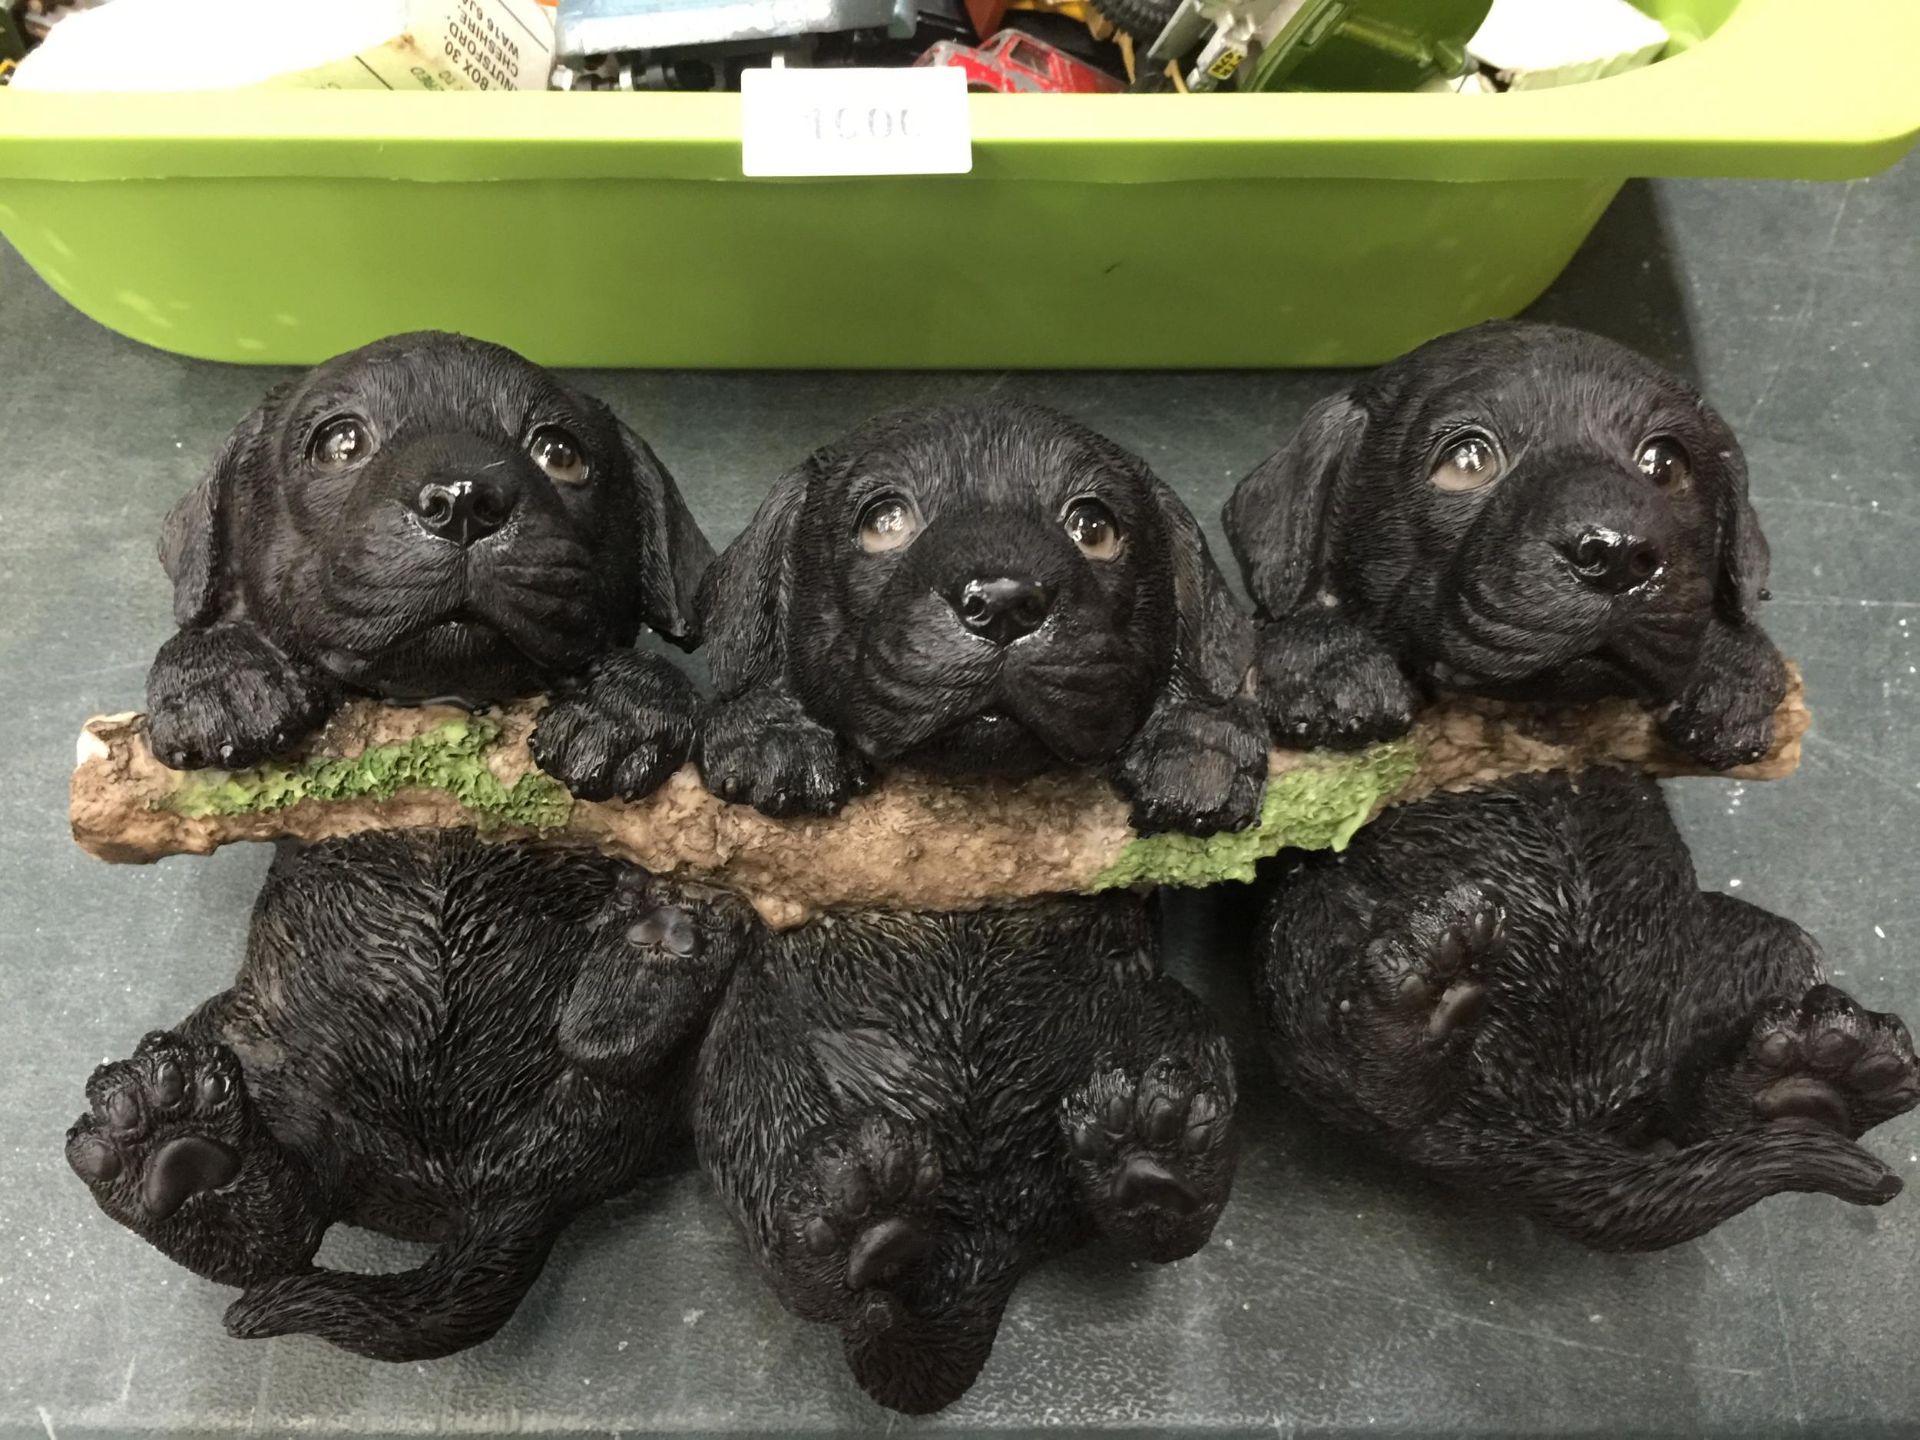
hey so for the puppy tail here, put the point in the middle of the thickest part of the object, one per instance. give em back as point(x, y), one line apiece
point(1615, 1198)
point(463, 1292)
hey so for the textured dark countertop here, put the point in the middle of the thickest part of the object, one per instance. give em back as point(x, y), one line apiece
point(1339, 1295)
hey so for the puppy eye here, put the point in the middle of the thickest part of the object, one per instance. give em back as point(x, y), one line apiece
point(340, 442)
point(559, 455)
point(1665, 462)
point(1092, 527)
point(1468, 462)
point(888, 523)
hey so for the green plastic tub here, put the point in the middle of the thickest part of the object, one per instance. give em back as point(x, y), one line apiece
point(617, 230)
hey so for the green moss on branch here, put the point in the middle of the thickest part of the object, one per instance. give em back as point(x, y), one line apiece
point(451, 757)
point(1317, 806)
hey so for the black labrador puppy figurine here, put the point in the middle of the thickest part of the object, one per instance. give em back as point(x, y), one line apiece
point(906, 1112)
point(430, 517)
point(1524, 990)
point(432, 1037)
point(983, 589)
point(1515, 510)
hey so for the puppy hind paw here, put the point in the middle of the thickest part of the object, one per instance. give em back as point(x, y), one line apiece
point(162, 1127)
point(676, 923)
point(1829, 1061)
point(1426, 978)
point(619, 733)
point(1154, 1154)
point(225, 698)
point(863, 1218)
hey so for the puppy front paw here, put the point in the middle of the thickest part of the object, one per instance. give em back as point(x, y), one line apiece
point(1326, 684)
point(1719, 742)
point(226, 698)
point(763, 750)
point(1724, 717)
point(620, 733)
point(1196, 769)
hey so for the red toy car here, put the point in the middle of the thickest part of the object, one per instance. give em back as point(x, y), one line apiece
point(1016, 64)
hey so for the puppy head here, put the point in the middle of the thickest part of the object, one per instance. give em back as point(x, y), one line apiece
point(1512, 502)
point(985, 589)
point(433, 515)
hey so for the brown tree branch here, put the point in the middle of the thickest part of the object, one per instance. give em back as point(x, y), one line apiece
point(916, 842)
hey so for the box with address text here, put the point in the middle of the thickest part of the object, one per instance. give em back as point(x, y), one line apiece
point(176, 45)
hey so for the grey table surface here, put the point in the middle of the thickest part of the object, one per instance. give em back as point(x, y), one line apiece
point(1340, 1295)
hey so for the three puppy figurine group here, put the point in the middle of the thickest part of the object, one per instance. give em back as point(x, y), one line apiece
point(1521, 989)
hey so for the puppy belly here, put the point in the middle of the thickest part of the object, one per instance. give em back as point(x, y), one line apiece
point(971, 1029)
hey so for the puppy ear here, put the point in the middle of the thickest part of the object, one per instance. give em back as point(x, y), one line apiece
point(193, 537)
point(1213, 641)
point(1744, 555)
point(673, 554)
point(743, 600)
point(1277, 517)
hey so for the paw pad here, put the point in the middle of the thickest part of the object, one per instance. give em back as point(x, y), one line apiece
point(668, 928)
point(869, 1203)
point(1142, 1131)
point(1155, 1155)
point(1829, 1061)
point(1433, 969)
point(162, 1127)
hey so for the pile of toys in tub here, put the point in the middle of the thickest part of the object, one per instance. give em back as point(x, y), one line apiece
point(1008, 46)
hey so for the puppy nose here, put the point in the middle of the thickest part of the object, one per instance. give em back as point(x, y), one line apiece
point(1002, 608)
point(1610, 561)
point(463, 511)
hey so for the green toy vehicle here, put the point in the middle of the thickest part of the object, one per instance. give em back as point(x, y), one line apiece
point(1315, 44)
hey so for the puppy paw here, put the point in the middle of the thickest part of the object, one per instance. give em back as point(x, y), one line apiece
point(162, 1129)
point(1324, 683)
point(763, 750)
point(1829, 1061)
point(1717, 731)
point(1412, 1005)
point(172, 1148)
point(1427, 976)
point(621, 732)
point(1195, 769)
point(1154, 1155)
point(678, 925)
point(1725, 716)
point(863, 1217)
point(225, 698)
point(659, 961)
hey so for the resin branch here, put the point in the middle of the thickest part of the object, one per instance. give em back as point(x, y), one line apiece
point(916, 842)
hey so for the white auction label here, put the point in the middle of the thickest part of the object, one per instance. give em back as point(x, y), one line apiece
point(910, 121)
